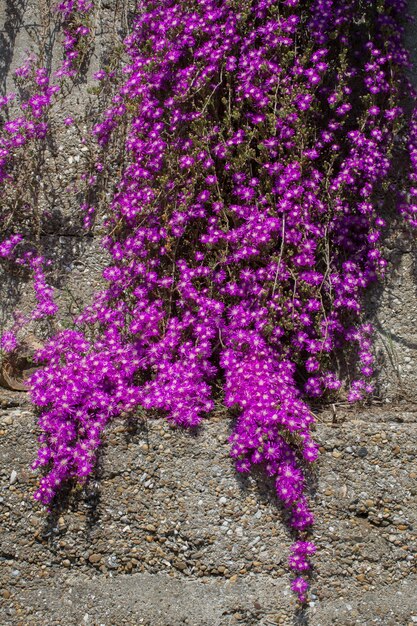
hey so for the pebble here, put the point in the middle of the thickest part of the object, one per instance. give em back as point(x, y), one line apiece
point(13, 477)
point(112, 561)
point(94, 558)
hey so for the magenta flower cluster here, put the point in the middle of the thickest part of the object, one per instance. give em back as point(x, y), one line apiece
point(76, 20)
point(32, 123)
point(17, 132)
point(242, 235)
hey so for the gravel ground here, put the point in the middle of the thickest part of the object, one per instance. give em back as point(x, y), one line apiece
point(169, 534)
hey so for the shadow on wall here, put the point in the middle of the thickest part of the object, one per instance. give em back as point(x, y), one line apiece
point(392, 303)
point(12, 25)
point(391, 306)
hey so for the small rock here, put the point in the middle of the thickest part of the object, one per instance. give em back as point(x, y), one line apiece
point(8, 420)
point(13, 477)
point(112, 561)
point(94, 558)
point(336, 454)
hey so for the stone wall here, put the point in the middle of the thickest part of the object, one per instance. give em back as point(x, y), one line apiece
point(169, 534)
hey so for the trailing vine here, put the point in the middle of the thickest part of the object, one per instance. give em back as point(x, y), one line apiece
point(24, 129)
point(262, 137)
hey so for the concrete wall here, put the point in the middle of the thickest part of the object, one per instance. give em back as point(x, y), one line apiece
point(168, 534)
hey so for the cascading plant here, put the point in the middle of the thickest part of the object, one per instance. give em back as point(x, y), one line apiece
point(262, 135)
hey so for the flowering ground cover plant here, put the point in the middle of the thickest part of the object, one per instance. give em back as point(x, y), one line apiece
point(262, 139)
